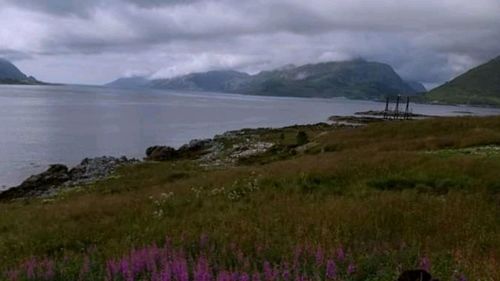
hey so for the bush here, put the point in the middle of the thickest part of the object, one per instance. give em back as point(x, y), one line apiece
point(302, 138)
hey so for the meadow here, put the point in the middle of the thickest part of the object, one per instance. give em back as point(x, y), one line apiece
point(352, 204)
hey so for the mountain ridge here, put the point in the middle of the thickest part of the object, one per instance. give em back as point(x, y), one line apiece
point(10, 74)
point(357, 79)
point(477, 86)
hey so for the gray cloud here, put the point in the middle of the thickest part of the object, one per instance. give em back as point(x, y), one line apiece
point(14, 55)
point(97, 40)
point(86, 7)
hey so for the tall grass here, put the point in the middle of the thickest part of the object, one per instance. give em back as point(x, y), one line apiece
point(378, 195)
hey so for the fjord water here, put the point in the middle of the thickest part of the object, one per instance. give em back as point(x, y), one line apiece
point(42, 125)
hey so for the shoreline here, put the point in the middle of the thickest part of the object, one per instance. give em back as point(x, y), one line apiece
point(210, 152)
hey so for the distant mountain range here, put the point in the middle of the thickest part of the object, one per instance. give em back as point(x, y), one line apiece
point(357, 79)
point(478, 86)
point(10, 74)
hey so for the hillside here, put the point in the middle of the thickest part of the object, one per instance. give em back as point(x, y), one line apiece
point(357, 79)
point(478, 86)
point(349, 203)
point(215, 81)
point(10, 74)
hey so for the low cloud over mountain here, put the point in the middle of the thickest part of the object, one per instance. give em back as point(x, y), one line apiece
point(97, 40)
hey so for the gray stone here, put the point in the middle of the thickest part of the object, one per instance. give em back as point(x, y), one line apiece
point(161, 153)
point(37, 185)
point(58, 177)
point(92, 169)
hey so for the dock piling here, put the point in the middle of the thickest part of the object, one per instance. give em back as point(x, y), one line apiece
point(396, 110)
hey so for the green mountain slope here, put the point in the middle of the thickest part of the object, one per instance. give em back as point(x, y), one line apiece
point(358, 79)
point(478, 86)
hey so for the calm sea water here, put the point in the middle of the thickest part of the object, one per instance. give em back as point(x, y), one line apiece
point(42, 125)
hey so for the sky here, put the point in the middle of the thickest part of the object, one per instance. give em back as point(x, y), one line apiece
point(96, 41)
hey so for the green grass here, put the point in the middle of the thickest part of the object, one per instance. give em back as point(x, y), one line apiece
point(390, 193)
point(478, 86)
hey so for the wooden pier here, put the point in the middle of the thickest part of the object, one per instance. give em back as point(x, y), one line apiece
point(396, 113)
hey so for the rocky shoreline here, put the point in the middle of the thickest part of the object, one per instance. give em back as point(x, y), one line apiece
point(227, 149)
point(222, 150)
point(58, 177)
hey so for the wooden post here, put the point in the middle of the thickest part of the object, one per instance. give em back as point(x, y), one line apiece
point(386, 111)
point(396, 110)
point(407, 111)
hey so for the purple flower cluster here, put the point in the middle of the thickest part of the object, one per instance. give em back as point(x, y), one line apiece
point(33, 269)
point(425, 264)
point(204, 264)
point(203, 261)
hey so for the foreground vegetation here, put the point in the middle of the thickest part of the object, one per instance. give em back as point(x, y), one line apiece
point(350, 204)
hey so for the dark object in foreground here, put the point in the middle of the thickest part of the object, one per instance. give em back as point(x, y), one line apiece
point(416, 275)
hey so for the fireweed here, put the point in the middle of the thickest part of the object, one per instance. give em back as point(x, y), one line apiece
point(201, 261)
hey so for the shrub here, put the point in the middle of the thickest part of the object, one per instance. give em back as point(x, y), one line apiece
point(302, 138)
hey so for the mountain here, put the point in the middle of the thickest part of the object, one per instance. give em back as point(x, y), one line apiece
point(353, 79)
point(212, 81)
point(357, 79)
point(478, 86)
point(417, 86)
point(129, 83)
point(10, 74)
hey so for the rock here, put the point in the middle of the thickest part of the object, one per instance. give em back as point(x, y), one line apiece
point(161, 153)
point(213, 155)
point(92, 169)
point(195, 148)
point(197, 145)
point(250, 149)
point(40, 184)
point(59, 176)
point(56, 174)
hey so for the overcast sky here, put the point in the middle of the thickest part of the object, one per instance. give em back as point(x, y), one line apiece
point(95, 41)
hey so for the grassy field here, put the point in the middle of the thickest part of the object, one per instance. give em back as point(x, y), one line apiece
point(352, 204)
